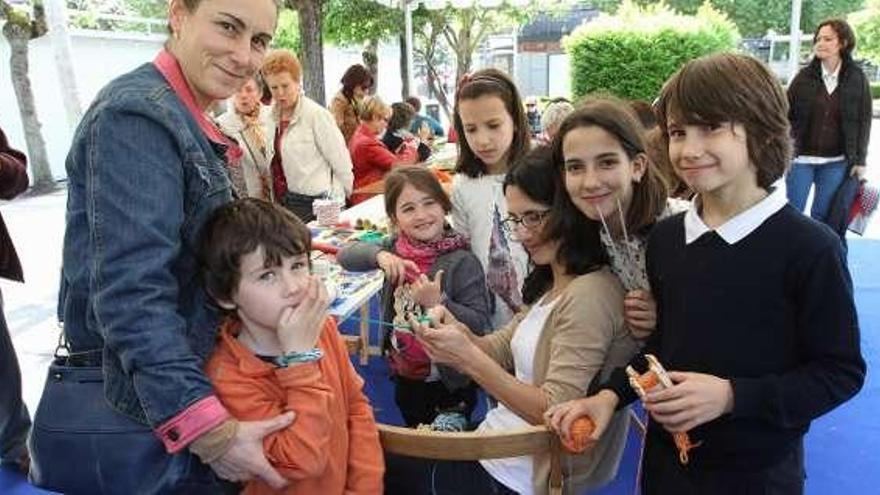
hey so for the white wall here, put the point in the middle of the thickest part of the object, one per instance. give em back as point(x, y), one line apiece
point(100, 58)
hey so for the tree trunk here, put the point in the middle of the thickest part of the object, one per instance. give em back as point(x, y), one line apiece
point(405, 91)
point(462, 47)
point(56, 15)
point(310, 21)
point(439, 92)
point(370, 57)
point(18, 38)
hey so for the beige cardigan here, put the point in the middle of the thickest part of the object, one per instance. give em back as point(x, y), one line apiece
point(584, 338)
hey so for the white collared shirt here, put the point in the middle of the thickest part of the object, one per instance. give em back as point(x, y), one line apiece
point(830, 78)
point(738, 227)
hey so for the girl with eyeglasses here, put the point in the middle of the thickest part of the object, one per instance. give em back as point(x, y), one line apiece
point(570, 332)
point(369, 156)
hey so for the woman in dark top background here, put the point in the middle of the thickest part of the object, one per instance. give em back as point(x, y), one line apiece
point(830, 114)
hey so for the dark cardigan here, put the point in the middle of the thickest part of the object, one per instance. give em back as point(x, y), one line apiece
point(855, 107)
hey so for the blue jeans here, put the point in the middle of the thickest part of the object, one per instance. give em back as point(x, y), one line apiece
point(15, 422)
point(827, 177)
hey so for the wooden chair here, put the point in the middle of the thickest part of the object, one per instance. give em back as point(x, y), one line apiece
point(473, 446)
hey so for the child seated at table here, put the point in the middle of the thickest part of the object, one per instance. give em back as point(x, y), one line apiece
point(279, 351)
point(426, 263)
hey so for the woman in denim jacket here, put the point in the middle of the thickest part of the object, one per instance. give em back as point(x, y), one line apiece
point(145, 169)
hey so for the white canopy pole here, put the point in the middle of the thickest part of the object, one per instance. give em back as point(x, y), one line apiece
point(407, 16)
point(794, 46)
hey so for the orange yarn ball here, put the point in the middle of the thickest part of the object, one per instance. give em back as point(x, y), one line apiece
point(581, 430)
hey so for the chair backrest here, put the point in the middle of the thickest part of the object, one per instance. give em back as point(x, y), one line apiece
point(473, 446)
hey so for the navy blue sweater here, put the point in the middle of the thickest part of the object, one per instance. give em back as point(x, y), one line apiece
point(773, 313)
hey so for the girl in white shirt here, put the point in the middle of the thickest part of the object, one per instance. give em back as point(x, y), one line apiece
point(489, 117)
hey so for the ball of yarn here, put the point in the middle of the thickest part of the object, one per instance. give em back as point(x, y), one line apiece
point(581, 429)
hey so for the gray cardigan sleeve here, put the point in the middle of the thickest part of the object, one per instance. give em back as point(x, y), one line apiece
point(465, 288)
point(359, 256)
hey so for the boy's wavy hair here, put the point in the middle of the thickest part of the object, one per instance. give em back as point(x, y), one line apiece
point(732, 88)
point(240, 228)
point(489, 82)
point(580, 250)
point(616, 117)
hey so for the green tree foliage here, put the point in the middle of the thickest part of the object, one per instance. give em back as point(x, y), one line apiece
point(755, 17)
point(287, 32)
point(632, 53)
point(354, 22)
point(866, 24)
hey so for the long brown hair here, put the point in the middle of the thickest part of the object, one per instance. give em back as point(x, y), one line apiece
point(617, 118)
point(489, 82)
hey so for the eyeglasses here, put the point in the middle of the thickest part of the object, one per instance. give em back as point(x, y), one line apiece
point(530, 220)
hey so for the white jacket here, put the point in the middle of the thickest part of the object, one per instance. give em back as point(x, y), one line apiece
point(254, 161)
point(311, 147)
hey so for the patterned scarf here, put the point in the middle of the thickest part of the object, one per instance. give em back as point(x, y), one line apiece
point(253, 130)
point(424, 254)
point(500, 274)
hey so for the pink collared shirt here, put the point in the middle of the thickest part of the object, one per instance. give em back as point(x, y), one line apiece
point(170, 70)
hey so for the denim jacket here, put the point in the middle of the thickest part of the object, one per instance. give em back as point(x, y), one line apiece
point(143, 179)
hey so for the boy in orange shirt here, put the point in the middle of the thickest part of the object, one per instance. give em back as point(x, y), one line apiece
point(279, 351)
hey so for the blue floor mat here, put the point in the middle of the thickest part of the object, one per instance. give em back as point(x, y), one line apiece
point(842, 447)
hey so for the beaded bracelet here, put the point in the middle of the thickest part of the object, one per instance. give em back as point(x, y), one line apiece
point(295, 357)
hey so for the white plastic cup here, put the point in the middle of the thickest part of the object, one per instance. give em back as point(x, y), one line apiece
point(327, 211)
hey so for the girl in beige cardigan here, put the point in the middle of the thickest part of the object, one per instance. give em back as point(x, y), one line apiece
point(571, 334)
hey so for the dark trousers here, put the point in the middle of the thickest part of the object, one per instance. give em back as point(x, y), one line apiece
point(419, 402)
point(411, 476)
point(663, 474)
point(15, 422)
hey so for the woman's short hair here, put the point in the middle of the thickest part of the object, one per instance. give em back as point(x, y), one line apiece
point(420, 178)
point(371, 107)
point(278, 61)
point(401, 116)
point(844, 34)
point(415, 102)
point(554, 113)
point(356, 75)
point(732, 88)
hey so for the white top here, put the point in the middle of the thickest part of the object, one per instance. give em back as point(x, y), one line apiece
point(516, 472)
point(311, 146)
point(738, 227)
point(473, 204)
point(255, 160)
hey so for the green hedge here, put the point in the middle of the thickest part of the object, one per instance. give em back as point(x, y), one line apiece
point(632, 53)
point(875, 90)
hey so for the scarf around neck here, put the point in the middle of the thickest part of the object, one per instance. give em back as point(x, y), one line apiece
point(424, 254)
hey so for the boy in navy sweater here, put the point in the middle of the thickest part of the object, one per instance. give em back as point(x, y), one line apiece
point(755, 304)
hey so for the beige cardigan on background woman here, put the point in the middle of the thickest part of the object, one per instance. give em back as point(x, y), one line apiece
point(584, 339)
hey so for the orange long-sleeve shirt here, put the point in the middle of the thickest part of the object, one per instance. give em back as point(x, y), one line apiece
point(332, 447)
